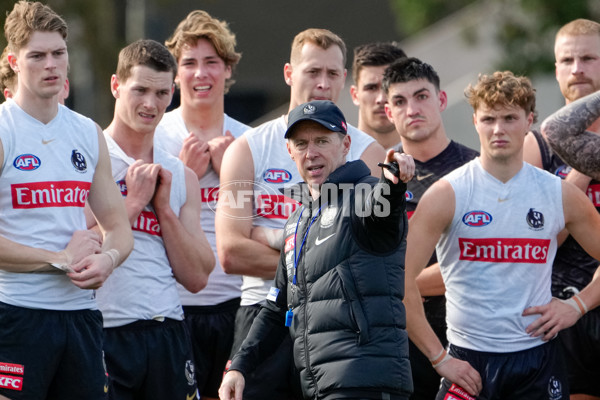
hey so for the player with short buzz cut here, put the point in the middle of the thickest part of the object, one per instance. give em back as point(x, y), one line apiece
point(146, 342)
point(368, 66)
point(494, 224)
point(53, 162)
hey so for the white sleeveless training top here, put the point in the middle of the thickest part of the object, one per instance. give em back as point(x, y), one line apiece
point(143, 287)
point(496, 257)
point(274, 170)
point(221, 287)
point(46, 177)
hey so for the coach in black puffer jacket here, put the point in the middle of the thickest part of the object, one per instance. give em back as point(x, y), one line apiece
point(340, 278)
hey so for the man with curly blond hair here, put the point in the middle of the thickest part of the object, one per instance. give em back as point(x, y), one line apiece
point(493, 223)
point(198, 132)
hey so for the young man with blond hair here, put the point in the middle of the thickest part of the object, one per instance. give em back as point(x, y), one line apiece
point(198, 132)
point(494, 224)
point(54, 161)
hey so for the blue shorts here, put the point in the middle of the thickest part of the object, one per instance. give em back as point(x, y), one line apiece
point(150, 360)
point(46, 354)
point(533, 374)
point(211, 330)
point(274, 378)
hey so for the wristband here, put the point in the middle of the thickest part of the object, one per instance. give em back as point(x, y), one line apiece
point(114, 256)
point(577, 304)
point(440, 359)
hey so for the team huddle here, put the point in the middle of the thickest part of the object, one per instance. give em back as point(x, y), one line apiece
point(186, 255)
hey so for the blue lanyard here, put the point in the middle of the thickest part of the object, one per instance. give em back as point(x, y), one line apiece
point(297, 255)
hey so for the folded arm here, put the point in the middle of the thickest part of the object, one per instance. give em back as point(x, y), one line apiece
point(568, 134)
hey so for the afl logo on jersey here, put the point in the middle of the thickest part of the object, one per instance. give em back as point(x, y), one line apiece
point(78, 161)
point(409, 196)
point(122, 187)
point(562, 171)
point(535, 220)
point(477, 218)
point(27, 162)
point(277, 176)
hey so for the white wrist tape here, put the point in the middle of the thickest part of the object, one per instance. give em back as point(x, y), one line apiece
point(114, 256)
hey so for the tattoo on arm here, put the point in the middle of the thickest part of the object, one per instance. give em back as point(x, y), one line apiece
point(566, 132)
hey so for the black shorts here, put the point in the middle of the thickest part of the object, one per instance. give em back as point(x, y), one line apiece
point(150, 360)
point(211, 330)
point(533, 374)
point(581, 349)
point(46, 354)
point(275, 377)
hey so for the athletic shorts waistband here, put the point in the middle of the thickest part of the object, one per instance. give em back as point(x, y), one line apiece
point(229, 305)
point(147, 324)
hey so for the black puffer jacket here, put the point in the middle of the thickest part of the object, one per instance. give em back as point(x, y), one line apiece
point(348, 318)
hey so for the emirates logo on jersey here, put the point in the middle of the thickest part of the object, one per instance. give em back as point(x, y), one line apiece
point(275, 206)
point(18, 369)
point(505, 250)
point(209, 194)
point(147, 222)
point(50, 194)
point(593, 192)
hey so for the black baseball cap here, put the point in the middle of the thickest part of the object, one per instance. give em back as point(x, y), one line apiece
point(325, 112)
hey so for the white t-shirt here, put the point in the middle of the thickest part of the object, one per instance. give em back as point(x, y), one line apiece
point(496, 257)
point(46, 176)
point(143, 287)
point(274, 170)
point(221, 287)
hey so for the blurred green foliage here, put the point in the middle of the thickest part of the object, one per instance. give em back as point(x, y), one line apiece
point(526, 27)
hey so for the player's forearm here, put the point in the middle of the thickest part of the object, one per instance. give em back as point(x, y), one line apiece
point(566, 131)
point(590, 295)
point(118, 236)
point(15, 257)
point(244, 256)
point(418, 329)
point(430, 281)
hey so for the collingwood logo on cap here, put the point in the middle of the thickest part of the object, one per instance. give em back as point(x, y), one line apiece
point(309, 109)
